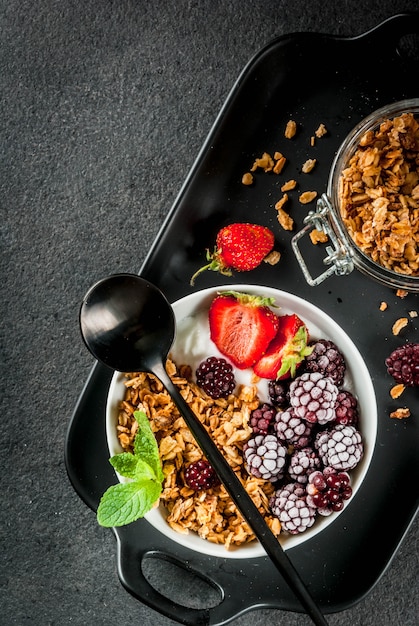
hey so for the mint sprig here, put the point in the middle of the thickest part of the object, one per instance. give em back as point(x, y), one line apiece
point(126, 502)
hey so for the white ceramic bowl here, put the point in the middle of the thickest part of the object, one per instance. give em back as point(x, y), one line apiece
point(192, 345)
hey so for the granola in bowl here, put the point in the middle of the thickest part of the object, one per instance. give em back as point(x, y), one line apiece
point(207, 521)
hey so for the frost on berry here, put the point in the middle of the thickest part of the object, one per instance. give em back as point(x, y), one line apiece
point(262, 418)
point(340, 447)
point(290, 505)
point(302, 463)
point(327, 359)
point(313, 397)
point(292, 429)
point(265, 457)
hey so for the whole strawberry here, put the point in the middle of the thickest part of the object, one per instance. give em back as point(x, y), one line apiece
point(239, 246)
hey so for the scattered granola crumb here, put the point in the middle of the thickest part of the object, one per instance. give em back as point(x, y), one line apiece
point(318, 236)
point(308, 166)
point(307, 196)
point(281, 202)
point(247, 178)
point(400, 414)
point(321, 131)
point(284, 219)
point(280, 163)
point(383, 306)
point(312, 141)
point(413, 314)
point(397, 391)
point(290, 129)
point(289, 185)
point(273, 257)
point(399, 325)
point(402, 293)
point(265, 162)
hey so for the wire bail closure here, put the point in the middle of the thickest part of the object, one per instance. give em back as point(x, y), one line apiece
point(339, 257)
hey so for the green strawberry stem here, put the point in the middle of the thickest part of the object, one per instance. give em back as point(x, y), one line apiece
point(215, 265)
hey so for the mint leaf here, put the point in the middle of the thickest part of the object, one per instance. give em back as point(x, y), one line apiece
point(125, 464)
point(145, 444)
point(126, 502)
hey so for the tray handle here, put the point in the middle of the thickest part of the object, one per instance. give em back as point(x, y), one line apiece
point(133, 579)
point(396, 31)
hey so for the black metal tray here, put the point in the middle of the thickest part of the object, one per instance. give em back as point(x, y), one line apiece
point(311, 78)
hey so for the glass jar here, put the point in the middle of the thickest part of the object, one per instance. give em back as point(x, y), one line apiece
point(343, 255)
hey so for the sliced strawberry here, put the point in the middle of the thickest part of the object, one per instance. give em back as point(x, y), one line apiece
point(242, 326)
point(286, 351)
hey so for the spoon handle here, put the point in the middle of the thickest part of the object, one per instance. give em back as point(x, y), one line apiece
point(242, 500)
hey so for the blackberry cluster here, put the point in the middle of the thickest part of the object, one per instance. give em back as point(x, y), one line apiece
point(306, 439)
point(279, 392)
point(216, 377)
point(290, 505)
point(265, 457)
point(291, 429)
point(403, 364)
point(327, 360)
point(262, 418)
point(200, 475)
point(328, 490)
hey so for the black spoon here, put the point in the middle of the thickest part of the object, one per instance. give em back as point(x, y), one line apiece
point(128, 324)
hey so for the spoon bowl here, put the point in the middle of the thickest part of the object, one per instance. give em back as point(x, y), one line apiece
point(127, 323)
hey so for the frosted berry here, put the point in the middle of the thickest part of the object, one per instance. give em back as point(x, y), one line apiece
point(346, 408)
point(313, 397)
point(302, 463)
point(265, 457)
point(327, 360)
point(262, 418)
point(200, 475)
point(216, 377)
point(292, 429)
point(328, 490)
point(403, 364)
point(340, 447)
point(278, 392)
point(290, 505)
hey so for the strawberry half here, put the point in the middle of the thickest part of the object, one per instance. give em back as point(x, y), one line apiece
point(239, 246)
point(242, 326)
point(286, 351)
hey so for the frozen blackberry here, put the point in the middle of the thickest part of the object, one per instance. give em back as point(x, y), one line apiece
point(327, 360)
point(216, 377)
point(302, 463)
point(262, 418)
point(290, 505)
point(403, 364)
point(313, 397)
point(278, 392)
point(200, 475)
point(340, 447)
point(328, 490)
point(346, 408)
point(292, 429)
point(265, 457)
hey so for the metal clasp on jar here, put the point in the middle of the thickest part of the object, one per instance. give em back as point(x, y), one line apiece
point(339, 257)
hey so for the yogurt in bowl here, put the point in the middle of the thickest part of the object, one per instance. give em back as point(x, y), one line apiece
point(193, 344)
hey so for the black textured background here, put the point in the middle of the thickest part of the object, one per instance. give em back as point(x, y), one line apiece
point(104, 107)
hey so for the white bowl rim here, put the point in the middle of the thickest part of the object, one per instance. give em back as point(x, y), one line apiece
point(316, 319)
